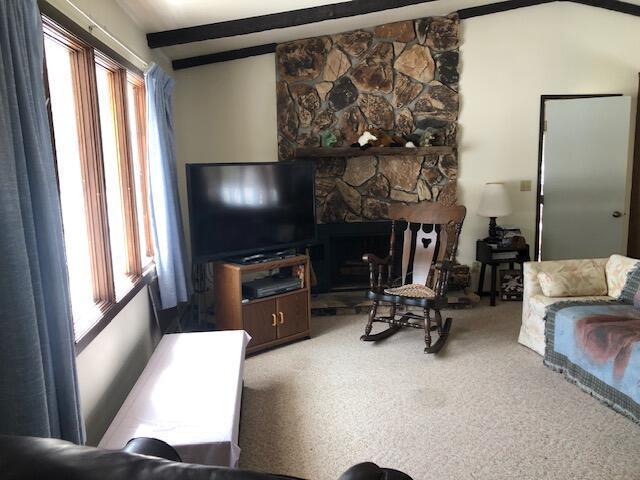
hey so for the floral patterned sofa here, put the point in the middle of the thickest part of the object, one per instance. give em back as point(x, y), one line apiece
point(580, 280)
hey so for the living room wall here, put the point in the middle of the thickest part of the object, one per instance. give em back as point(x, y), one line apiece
point(209, 126)
point(507, 61)
point(110, 365)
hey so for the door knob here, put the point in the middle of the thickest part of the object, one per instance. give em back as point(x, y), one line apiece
point(275, 320)
point(616, 214)
point(281, 317)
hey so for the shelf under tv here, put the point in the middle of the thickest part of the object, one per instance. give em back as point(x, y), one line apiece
point(253, 301)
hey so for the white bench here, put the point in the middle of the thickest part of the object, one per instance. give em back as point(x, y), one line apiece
point(189, 396)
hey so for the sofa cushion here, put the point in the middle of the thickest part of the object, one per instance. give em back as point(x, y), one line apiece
point(539, 303)
point(586, 278)
point(617, 271)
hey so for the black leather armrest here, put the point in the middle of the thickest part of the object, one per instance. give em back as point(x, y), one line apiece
point(29, 458)
point(152, 447)
point(371, 471)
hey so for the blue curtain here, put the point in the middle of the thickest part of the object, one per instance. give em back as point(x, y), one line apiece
point(38, 383)
point(166, 221)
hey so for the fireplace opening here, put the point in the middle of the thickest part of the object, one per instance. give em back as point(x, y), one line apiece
point(337, 257)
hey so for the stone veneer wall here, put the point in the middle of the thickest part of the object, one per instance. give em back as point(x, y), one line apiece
point(400, 77)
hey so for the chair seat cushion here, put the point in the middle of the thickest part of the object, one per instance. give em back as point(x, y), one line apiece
point(413, 290)
point(379, 295)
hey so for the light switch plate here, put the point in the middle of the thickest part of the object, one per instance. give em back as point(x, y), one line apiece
point(525, 185)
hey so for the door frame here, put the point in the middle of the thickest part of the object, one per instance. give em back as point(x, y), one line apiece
point(633, 240)
point(541, 131)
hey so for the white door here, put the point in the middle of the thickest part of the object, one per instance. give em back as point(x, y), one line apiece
point(584, 168)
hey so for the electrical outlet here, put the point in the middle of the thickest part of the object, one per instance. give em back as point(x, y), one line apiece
point(525, 185)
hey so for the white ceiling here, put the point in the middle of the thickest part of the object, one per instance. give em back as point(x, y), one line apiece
point(159, 15)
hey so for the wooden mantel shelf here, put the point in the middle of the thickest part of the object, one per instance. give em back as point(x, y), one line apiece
point(323, 152)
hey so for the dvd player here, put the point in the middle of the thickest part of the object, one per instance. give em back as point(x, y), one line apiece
point(265, 287)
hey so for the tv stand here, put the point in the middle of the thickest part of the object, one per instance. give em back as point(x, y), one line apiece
point(271, 321)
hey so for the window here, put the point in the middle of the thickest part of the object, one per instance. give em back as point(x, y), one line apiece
point(137, 119)
point(98, 121)
point(74, 215)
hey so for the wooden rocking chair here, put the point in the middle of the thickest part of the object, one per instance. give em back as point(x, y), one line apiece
point(427, 236)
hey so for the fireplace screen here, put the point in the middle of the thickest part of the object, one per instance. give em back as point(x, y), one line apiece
point(337, 258)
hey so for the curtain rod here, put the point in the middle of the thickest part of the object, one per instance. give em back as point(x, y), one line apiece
point(95, 24)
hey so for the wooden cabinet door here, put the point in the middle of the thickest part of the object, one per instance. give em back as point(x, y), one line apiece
point(257, 319)
point(293, 314)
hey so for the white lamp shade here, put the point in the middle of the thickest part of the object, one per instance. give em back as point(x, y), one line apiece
point(494, 201)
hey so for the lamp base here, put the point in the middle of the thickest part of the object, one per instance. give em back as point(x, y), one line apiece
point(493, 231)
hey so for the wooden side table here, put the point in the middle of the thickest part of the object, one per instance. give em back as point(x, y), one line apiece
point(493, 255)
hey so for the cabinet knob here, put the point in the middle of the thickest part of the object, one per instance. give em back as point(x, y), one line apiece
point(275, 321)
point(281, 317)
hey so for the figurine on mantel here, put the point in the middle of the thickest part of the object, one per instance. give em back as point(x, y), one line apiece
point(426, 138)
point(328, 139)
point(375, 137)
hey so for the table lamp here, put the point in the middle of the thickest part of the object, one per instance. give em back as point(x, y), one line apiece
point(494, 203)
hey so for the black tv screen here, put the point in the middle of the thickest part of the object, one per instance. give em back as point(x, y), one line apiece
point(249, 208)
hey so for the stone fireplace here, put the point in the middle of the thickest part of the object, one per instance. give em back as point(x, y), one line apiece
point(361, 188)
point(400, 77)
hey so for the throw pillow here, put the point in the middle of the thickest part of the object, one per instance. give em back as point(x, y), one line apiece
point(631, 290)
point(586, 280)
point(617, 271)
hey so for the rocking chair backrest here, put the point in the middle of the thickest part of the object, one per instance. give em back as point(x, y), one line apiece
point(426, 228)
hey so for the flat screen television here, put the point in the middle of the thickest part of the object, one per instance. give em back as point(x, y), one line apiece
point(245, 209)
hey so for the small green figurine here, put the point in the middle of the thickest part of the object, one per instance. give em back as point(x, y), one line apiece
point(426, 139)
point(328, 139)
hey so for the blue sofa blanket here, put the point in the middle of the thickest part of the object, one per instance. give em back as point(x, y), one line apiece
point(596, 345)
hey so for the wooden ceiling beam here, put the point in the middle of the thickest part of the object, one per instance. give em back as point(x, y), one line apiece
point(481, 10)
point(274, 21)
point(498, 7)
point(614, 5)
point(225, 56)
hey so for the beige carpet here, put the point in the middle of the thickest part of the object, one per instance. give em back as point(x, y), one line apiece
point(483, 408)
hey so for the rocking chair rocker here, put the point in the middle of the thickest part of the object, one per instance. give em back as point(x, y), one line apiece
point(427, 236)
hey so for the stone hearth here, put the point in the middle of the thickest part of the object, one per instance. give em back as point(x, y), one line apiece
point(350, 303)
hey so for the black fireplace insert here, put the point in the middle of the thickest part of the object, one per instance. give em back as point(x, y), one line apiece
point(337, 255)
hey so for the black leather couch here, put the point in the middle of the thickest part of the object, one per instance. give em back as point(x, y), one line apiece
point(29, 458)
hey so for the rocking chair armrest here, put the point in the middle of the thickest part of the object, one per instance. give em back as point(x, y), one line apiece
point(374, 259)
point(377, 268)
